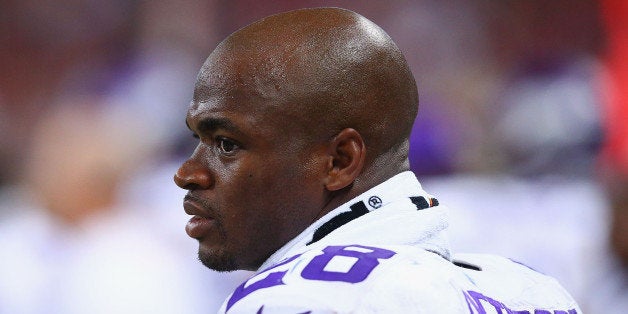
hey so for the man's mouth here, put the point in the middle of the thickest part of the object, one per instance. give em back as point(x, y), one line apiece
point(198, 227)
point(201, 223)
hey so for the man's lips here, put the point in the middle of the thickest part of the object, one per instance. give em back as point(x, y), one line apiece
point(198, 227)
point(201, 223)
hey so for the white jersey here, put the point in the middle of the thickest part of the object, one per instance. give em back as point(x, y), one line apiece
point(386, 252)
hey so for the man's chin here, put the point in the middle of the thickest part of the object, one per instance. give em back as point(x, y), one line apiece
point(218, 261)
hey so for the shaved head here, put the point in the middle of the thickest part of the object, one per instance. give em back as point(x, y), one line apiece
point(322, 70)
point(295, 114)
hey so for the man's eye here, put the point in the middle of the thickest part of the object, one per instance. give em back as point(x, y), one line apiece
point(226, 146)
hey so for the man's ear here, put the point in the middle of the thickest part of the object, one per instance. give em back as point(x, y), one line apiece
point(347, 153)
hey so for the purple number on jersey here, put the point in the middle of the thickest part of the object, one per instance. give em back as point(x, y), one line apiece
point(271, 280)
point(361, 268)
point(315, 269)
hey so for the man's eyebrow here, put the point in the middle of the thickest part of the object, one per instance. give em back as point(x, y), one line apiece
point(213, 124)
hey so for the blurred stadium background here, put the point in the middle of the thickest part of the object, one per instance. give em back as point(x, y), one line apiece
point(522, 131)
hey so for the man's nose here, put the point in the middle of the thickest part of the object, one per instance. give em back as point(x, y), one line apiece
point(193, 176)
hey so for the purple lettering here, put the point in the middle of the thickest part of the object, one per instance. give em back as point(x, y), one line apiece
point(476, 297)
point(364, 265)
point(475, 305)
point(273, 279)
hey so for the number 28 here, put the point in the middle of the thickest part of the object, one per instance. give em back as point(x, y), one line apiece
point(366, 259)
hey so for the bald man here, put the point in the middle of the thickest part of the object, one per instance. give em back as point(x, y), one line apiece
point(301, 174)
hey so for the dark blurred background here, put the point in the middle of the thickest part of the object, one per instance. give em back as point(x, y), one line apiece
point(522, 131)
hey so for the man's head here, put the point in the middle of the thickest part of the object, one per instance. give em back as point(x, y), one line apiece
point(296, 114)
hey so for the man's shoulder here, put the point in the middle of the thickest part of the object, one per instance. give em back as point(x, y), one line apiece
point(507, 284)
point(390, 278)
